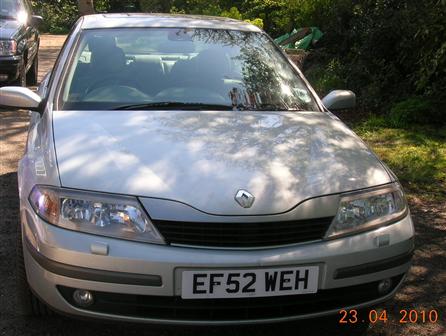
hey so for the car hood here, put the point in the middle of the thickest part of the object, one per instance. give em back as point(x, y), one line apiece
point(203, 158)
point(9, 28)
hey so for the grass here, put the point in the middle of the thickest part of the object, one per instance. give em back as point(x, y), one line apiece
point(416, 155)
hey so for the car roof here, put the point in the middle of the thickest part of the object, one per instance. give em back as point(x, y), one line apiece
point(126, 20)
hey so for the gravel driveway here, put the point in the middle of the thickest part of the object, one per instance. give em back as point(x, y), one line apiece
point(424, 288)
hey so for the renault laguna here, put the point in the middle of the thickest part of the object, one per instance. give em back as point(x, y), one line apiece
point(181, 170)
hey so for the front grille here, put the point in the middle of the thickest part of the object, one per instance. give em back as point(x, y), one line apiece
point(243, 235)
point(175, 308)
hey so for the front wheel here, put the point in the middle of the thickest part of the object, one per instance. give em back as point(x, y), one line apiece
point(33, 73)
point(27, 303)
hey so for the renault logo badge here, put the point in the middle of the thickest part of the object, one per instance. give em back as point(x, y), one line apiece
point(244, 198)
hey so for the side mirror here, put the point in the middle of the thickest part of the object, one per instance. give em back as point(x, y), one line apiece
point(19, 97)
point(36, 21)
point(340, 100)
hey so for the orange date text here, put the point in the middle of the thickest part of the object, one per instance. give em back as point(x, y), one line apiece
point(373, 316)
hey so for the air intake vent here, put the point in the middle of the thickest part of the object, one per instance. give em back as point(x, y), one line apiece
point(243, 235)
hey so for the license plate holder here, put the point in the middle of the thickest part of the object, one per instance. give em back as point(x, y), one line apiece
point(240, 283)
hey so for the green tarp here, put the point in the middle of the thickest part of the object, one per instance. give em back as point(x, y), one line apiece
point(310, 36)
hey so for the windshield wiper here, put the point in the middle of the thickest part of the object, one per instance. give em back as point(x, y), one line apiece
point(175, 106)
point(273, 107)
point(202, 106)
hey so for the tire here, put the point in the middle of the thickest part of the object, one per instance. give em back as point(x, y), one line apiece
point(28, 304)
point(33, 73)
point(21, 81)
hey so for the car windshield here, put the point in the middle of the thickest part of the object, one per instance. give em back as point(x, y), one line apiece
point(13, 9)
point(172, 68)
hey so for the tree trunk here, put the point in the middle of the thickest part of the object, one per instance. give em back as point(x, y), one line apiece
point(85, 7)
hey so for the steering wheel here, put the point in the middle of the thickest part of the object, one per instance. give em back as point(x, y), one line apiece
point(190, 94)
point(116, 93)
point(111, 80)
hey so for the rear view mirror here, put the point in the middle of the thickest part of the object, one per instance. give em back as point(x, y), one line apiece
point(19, 97)
point(340, 100)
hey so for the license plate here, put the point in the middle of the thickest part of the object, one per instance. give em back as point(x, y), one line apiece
point(213, 284)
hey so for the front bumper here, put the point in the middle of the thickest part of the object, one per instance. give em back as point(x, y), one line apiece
point(9, 68)
point(148, 276)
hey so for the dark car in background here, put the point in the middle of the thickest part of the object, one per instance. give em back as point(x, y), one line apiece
point(19, 43)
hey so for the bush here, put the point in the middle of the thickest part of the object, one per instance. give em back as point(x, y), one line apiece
point(414, 110)
point(232, 13)
point(256, 22)
point(385, 50)
point(326, 77)
point(58, 16)
point(373, 122)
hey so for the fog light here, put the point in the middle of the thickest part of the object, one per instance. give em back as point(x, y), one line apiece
point(3, 78)
point(384, 286)
point(83, 298)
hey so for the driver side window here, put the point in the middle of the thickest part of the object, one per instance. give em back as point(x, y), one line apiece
point(81, 75)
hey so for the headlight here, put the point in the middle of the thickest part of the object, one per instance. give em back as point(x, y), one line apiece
point(101, 214)
point(8, 48)
point(22, 17)
point(366, 210)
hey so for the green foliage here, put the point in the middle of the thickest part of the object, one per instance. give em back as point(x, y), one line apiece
point(326, 78)
point(59, 15)
point(417, 155)
point(256, 22)
point(374, 122)
point(232, 13)
point(272, 12)
point(155, 6)
point(201, 7)
point(101, 5)
point(412, 111)
point(120, 5)
point(390, 50)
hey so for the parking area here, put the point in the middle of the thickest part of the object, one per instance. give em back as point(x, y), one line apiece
point(423, 290)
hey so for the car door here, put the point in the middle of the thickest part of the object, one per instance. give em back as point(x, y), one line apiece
point(31, 34)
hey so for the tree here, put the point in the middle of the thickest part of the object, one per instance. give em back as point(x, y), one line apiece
point(124, 6)
point(233, 13)
point(86, 7)
point(154, 6)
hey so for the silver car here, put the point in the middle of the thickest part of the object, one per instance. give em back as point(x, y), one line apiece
point(181, 170)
